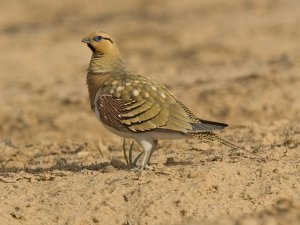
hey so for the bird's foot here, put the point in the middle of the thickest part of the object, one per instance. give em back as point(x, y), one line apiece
point(141, 168)
point(149, 167)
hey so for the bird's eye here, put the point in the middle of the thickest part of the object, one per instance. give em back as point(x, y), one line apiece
point(98, 38)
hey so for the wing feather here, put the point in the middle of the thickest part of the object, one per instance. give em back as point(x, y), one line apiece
point(147, 106)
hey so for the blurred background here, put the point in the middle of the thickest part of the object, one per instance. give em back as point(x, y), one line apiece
point(234, 61)
point(231, 61)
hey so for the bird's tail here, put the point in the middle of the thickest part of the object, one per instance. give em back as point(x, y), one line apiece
point(209, 136)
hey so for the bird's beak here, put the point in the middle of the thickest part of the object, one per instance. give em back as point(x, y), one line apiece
point(86, 40)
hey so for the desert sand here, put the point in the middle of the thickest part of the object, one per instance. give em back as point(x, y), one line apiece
point(230, 61)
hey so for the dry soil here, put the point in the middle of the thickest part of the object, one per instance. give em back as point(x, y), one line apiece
point(230, 61)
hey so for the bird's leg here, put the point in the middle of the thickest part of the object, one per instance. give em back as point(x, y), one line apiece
point(147, 146)
point(152, 150)
point(147, 153)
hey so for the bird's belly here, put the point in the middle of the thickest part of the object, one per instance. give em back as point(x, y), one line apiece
point(155, 135)
point(159, 135)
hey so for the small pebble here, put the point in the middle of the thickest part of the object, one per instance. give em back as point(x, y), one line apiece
point(192, 174)
point(16, 215)
point(95, 220)
point(117, 163)
point(83, 154)
point(108, 169)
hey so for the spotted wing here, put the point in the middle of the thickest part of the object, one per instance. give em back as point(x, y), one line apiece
point(137, 104)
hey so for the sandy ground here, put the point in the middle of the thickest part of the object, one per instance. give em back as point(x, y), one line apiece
point(230, 61)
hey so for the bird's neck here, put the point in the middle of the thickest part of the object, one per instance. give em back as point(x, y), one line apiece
point(94, 82)
point(101, 68)
point(105, 63)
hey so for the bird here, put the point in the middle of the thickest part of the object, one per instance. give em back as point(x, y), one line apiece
point(134, 106)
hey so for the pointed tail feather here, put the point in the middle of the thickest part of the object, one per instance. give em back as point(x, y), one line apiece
point(209, 136)
point(229, 144)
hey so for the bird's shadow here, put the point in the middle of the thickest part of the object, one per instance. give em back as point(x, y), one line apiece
point(171, 162)
point(71, 167)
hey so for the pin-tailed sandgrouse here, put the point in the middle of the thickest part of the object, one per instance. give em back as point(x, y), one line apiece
point(134, 106)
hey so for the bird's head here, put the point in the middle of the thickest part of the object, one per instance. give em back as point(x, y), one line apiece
point(101, 42)
point(106, 56)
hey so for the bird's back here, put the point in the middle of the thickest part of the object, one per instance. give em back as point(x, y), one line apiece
point(140, 104)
